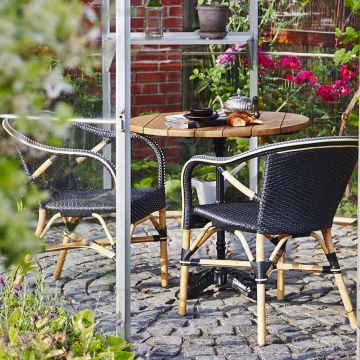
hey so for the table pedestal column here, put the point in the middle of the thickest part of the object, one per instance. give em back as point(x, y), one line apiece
point(220, 273)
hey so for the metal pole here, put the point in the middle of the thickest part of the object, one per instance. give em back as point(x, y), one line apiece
point(123, 159)
point(253, 180)
point(106, 80)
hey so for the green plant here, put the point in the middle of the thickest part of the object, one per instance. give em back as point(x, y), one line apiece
point(31, 328)
point(39, 41)
point(348, 36)
point(153, 3)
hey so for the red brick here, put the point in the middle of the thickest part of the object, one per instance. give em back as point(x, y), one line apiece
point(170, 87)
point(173, 65)
point(150, 88)
point(144, 66)
point(135, 88)
point(173, 76)
point(172, 2)
point(170, 22)
point(136, 2)
point(175, 11)
point(151, 77)
point(149, 99)
point(137, 23)
point(174, 98)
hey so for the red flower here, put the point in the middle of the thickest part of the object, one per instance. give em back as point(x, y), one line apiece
point(341, 88)
point(326, 93)
point(265, 60)
point(305, 76)
point(345, 73)
point(290, 77)
point(289, 62)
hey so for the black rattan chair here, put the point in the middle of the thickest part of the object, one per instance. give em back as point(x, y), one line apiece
point(303, 184)
point(69, 201)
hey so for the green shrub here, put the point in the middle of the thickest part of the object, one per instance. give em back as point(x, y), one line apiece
point(33, 328)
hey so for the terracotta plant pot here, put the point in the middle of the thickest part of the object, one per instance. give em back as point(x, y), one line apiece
point(213, 20)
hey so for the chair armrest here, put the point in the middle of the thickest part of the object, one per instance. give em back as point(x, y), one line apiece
point(222, 162)
point(158, 153)
point(7, 125)
point(104, 133)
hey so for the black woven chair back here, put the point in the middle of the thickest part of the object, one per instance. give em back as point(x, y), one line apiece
point(59, 177)
point(302, 189)
point(64, 174)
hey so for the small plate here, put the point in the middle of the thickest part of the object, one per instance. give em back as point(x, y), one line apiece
point(214, 116)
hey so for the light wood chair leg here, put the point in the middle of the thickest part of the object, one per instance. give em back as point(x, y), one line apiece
point(280, 282)
point(61, 258)
point(184, 275)
point(261, 312)
point(41, 222)
point(340, 282)
point(163, 251)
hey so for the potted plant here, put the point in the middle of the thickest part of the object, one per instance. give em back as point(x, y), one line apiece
point(213, 18)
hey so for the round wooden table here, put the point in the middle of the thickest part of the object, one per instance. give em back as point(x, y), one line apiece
point(275, 123)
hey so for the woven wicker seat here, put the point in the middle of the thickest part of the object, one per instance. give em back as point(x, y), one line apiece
point(303, 184)
point(85, 202)
point(71, 200)
point(231, 216)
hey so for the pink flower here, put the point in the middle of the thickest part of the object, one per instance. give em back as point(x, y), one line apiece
point(340, 87)
point(224, 59)
point(290, 77)
point(289, 62)
point(305, 76)
point(326, 93)
point(345, 73)
point(265, 60)
point(238, 47)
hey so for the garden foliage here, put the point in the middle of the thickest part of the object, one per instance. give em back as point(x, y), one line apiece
point(40, 40)
point(32, 328)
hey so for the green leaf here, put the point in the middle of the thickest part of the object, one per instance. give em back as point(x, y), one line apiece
point(123, 355)
point(14, 317)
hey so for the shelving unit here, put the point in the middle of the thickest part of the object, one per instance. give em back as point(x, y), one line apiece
point(119, 44)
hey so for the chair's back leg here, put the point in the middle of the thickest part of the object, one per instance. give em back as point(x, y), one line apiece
point(163, 249)
point(340, 282)
point(184, 275)
point(260, 287)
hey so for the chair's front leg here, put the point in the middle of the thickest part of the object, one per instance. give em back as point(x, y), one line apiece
point(339, 279)
point(280, 281)
point(260, 286)
point(70, 224)
point(61, 258)
point(163, 249)
point(184, 275)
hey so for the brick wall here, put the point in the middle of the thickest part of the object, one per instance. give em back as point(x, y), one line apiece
point(157, 71)
point(156, 74)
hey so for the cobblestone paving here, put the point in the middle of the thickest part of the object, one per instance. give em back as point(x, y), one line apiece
point(309, 324)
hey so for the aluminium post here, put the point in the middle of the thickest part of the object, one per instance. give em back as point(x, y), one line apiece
point(253, 173)
point(106, 80)
point(123, 189)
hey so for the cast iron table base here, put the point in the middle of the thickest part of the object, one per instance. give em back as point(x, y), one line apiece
point(222, 277)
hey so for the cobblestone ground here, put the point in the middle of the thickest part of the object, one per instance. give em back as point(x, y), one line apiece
point(309, 324)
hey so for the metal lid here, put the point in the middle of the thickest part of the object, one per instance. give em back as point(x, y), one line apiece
point(239, 102)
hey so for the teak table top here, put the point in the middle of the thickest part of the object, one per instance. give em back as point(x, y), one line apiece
point(275, 123)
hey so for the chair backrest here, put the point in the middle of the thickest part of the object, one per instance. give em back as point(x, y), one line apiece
point(302, 188)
